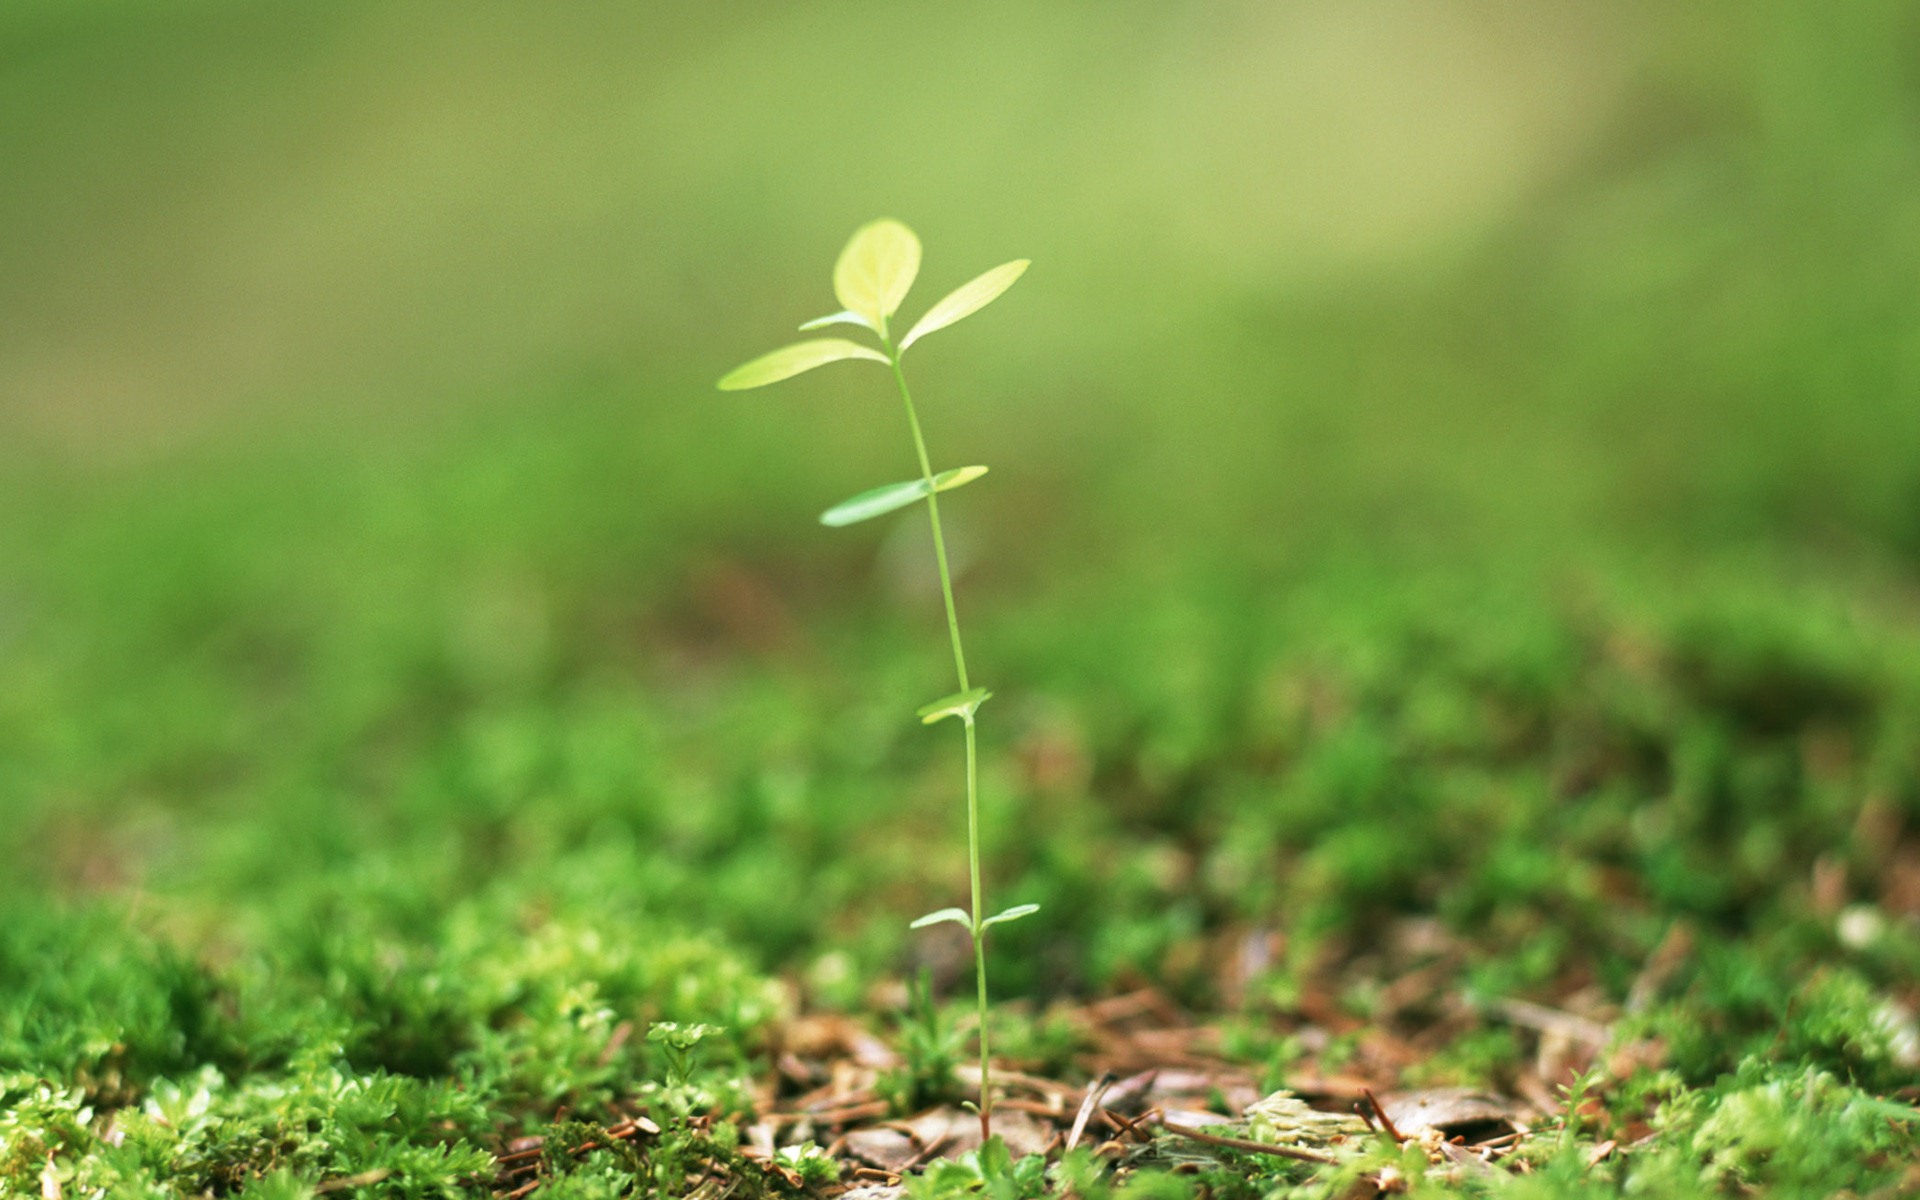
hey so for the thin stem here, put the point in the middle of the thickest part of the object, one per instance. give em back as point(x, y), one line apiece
point(979, 939)
point(973, 793)
point(933, 515)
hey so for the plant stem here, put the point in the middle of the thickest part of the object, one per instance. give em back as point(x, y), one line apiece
point(933, 513)
point(979, 939)
point(973, 793)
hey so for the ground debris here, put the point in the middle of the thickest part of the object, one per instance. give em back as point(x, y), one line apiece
point(1284, 1117)
point(885, 1147)
point(1151, 1087)
point(1464, 1113)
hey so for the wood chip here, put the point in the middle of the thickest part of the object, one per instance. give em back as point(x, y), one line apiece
point(1452, 1112)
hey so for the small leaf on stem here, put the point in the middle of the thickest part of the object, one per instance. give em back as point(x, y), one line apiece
point(1010, 914)
point(960, 704)
point(879, 501)
point(957, 915)
point(876, 269)
point(875, 502)
point(946, 481)
point(965, 300)
point(789, 361)
point(839, 318)
point(682, 1037)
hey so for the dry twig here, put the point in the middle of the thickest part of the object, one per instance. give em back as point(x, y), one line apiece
point(1252, 1147)
point(1380, 1113)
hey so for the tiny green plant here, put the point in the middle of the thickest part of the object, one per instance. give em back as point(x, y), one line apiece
point(680, 1047)
point(871, 279)
point(679, 1044)
point(930, 1046)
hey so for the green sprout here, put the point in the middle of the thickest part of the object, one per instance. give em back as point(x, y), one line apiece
point(871, 278)
point(678, 1044)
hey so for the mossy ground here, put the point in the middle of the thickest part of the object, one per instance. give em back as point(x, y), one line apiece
point(355, 811)
point(1453, 545)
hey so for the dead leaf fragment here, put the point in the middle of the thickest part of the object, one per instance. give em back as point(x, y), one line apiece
point(888, 1149)
point(1452, 1112)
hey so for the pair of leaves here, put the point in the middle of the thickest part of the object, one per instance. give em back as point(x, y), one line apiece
point(871, 278)
point(882, 500)
point(877, 269)
point(959, 916)
point(681, 1037)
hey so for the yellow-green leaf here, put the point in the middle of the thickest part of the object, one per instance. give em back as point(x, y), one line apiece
point(876, 270)
point(946, 481)
point(839, 318)
point(789, 361)
point(960, 704)
point(959, 916)
point(877, 502)
point(1011, 914)
point(965, 300)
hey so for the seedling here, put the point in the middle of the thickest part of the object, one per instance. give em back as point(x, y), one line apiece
point(680, 1047)
point(871, 278)
point(930, 1047)
point(679, 1044)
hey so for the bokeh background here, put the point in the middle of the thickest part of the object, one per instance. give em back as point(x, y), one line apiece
point(1420, 273)
point(1509, 376)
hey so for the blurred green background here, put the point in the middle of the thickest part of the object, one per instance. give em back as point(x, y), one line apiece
point(1514, 374)
point(1416, 276)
